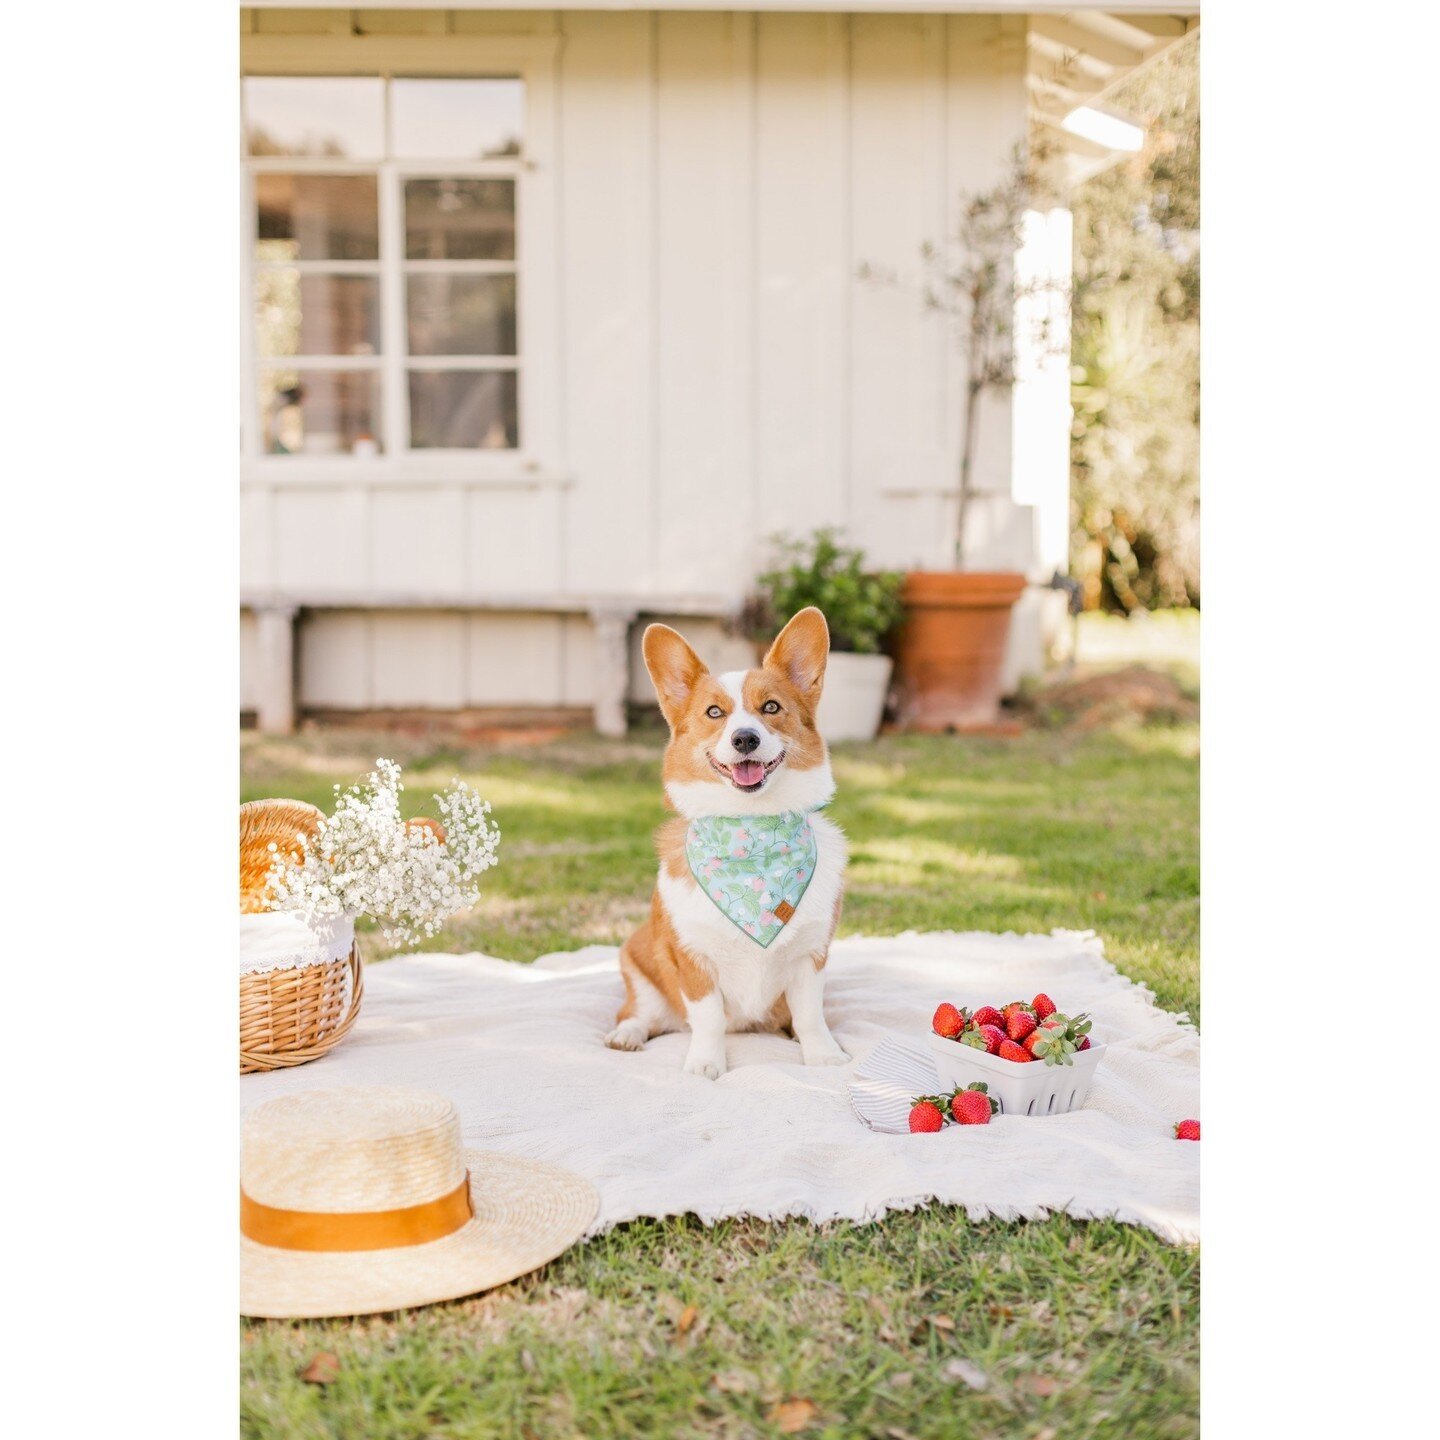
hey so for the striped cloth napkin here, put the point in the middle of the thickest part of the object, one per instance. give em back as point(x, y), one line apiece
point(887, 1081)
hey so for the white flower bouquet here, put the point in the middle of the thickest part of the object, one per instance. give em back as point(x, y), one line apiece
point(366, 860)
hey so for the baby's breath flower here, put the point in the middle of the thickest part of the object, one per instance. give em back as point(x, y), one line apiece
point(363, 859)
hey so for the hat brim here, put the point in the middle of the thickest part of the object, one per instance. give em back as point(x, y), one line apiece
point(526, 1212)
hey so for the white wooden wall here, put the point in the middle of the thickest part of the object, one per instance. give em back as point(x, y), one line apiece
point(722, 372)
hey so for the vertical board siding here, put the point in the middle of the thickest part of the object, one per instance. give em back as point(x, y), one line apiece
point(257, 549)
point(898, 399)
point(722, 374)
point(706, 523)
point(607, 129)
point(249, 662)
point(987, 116)
point(804, 270)
point(418, 659)
point(334, 660)
point(321, 538)
point(417, 541)
point(514, 660)
point(495, 561)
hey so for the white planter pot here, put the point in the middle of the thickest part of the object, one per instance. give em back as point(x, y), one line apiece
point(854, 696)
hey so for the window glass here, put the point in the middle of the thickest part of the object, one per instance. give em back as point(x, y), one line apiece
point(316, 314)
point(463, 410)
point(459, 219)
point(320, 412)
point(461, 314)
point(317, 217)
point(344, 118)
point(456, 119)
point(324, 278)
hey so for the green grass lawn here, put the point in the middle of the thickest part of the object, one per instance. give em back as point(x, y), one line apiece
point(665, 1328)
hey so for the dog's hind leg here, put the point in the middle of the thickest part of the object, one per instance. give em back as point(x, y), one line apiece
point(643, 1015)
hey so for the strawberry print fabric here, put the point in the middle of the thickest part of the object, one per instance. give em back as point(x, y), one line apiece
point(755, 868)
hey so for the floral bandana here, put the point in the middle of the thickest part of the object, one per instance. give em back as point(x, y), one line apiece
point(754, 867)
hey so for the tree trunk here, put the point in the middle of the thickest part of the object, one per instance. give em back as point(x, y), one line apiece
point(967, 461)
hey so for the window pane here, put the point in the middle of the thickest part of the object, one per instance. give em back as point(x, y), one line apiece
point(344, 118)
point(455, 219)
point(463, 410)
point(317, 217)
point(456, 119)
point(461, 314)
point(320, 412)
point(309, 314)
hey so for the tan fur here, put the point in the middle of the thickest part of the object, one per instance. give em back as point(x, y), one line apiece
point(792, 675)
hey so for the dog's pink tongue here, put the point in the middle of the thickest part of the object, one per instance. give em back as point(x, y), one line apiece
point(747, 772)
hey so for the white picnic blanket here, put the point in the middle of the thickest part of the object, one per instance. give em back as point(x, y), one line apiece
point(520, 1049)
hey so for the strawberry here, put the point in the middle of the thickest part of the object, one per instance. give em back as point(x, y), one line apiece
point(1019, 1024)
point(1084, 1043)
point(1006, 1011)
point(988, 1015)
point(1187, 1130)
point(1043, 1006)
point(925, 1118)
point(1029, 1043)
point(974, 1106)
point(993, 1035)
point(948, 1021)
point(1009, 1050)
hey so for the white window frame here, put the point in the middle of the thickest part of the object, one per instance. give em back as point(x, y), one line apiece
point(538, 459)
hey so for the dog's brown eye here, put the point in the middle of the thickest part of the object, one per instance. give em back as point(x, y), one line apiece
point(770, 707)
point(715, 713)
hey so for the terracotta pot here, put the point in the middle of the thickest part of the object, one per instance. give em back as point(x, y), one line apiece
point(951, 648)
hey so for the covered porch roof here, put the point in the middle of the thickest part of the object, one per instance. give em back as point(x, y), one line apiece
point(1078, 58)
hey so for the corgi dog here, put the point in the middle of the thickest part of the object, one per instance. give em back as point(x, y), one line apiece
point(751, 873)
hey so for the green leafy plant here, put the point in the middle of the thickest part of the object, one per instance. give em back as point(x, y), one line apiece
point(1135, 446)
point(861, 606)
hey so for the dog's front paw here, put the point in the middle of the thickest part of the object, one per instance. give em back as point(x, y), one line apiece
point(709, 1063)
point(627, 1035)
point(826, 1053)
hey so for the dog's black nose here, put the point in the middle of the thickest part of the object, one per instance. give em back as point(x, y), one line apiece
point(745, 741)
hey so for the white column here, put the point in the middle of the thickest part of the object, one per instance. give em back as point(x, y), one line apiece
point(612, 669)
point(1040, 409)
point(275, 657)
point(1040, 440)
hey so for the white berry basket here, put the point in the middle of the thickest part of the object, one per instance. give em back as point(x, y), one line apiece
point(1031, 1088)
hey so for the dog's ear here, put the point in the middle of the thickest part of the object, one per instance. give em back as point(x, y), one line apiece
point(800, 652)
point(674, 667)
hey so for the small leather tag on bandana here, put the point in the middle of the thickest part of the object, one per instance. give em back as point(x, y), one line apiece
point(754, 868)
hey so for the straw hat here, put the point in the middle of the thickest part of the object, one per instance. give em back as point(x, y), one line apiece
point(358, 1200)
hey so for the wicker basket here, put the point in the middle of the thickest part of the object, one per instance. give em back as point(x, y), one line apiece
point(289, 1016)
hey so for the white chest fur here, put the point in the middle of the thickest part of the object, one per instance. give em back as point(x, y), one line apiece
point(750, 979)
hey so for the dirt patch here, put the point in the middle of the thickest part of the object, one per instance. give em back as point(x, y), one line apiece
point(1134, 695)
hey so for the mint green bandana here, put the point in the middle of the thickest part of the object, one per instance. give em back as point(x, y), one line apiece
point(754, 867)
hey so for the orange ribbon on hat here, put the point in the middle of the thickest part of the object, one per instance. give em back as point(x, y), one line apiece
point(357, 1229)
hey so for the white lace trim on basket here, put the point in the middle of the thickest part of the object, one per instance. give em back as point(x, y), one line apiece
point(286, 941)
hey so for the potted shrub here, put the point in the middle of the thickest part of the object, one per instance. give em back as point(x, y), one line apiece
point(861, 607)
point(950, 650)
